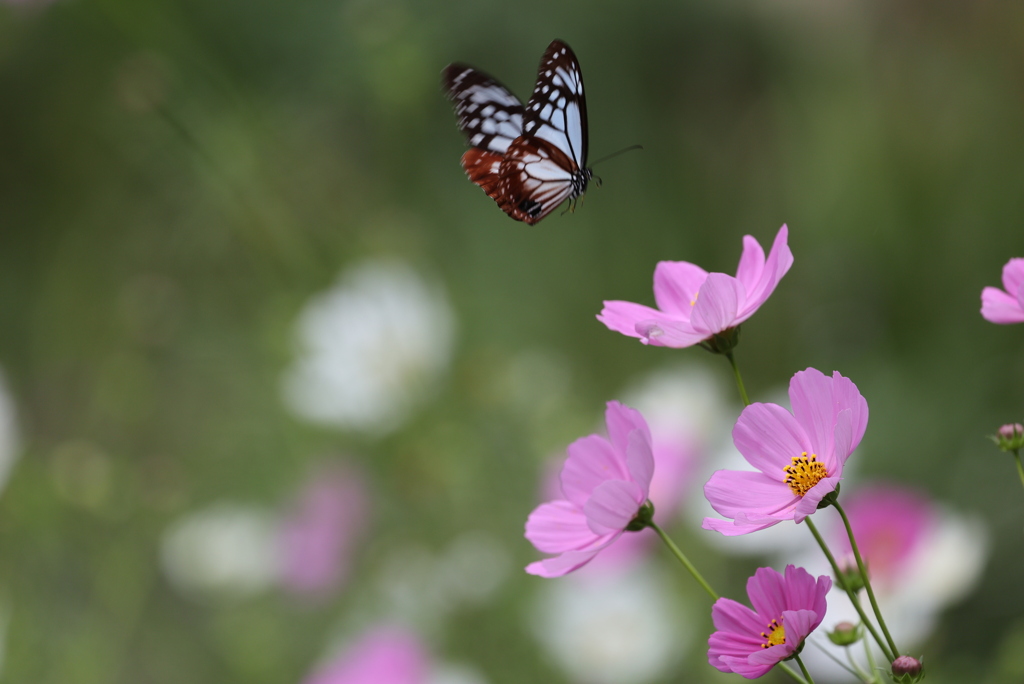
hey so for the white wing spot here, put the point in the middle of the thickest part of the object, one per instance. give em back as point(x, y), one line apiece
point(561, 103)
point(474, 123)
point(557, 80)
point(476, 139)
point(547, 73)
point(488, 110)
point(544, 89)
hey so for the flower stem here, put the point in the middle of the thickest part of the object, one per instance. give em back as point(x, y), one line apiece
point(739, 378)
point(792, 673)
point(1020, 470)
point(803, 668)
point(684, 560)
point(867, 582)
point(853, 596)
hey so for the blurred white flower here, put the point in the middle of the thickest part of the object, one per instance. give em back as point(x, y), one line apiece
point(682, 403)
point(8, 433)
point(420, 587)
point(615, 628)
point(449, 673)
point(370, 348)
point(227, 550)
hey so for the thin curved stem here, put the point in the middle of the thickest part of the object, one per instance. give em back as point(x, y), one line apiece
point(803, 668)
point(853, 596)
point(739, 379)
point(867, 582)
point(684, 560)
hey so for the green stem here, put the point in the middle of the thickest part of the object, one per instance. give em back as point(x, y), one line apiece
point(792, 673)
point(739, 378)
point(803, 668)
point(867, 582)
point(1020, 470)
point(874, 678)
point(853, 596)
point(684, 560)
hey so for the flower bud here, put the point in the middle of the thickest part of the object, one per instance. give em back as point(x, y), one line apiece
point(1010, 437)
point(845, 634)
point(907, 670)
point(850, 577)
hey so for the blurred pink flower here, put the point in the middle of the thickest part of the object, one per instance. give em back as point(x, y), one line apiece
point(998, 306)
point(890, 523)
point(786, 610)
point(605, 482)
point(799, 456)
point(319, 533)
point(385, 655)
point(683, 318)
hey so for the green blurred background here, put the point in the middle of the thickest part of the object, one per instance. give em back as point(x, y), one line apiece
point(179, 178)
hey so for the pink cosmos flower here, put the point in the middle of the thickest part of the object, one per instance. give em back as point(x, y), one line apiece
point(799, 456)
point(998, 306)
point(385, 655)
point(318, 535)
point(605, 482)
point(786, 610)
point(694, 305)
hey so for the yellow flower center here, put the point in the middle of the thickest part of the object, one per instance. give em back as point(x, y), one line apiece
point(774, 635)
point(803, 473)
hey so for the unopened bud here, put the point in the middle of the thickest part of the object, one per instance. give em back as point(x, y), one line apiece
point(907, 670)
point(1010, 437)
point(845, 634)
point(850, 578)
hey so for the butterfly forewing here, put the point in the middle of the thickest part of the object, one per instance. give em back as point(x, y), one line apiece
point(557, 110)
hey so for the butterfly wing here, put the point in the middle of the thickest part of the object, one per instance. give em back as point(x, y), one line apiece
point(557, 110)
point(547, 165)
point(490, 117)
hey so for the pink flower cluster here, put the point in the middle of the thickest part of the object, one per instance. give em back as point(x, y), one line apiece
point(797, 458)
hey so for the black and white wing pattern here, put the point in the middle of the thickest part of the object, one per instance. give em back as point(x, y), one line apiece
point(490, 117)
point(529, 160)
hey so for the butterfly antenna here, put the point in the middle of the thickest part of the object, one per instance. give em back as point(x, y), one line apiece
point(616, 154)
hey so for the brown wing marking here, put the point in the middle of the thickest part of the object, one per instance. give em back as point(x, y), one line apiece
point(483, 168)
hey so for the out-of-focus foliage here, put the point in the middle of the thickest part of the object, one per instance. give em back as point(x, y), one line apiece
point(180, 180)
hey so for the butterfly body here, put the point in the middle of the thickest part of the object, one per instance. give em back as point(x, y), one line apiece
point(529, 159)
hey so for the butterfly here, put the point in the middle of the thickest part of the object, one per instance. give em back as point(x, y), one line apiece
point(527, 159)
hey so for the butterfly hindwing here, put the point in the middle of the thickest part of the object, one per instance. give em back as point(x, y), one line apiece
point(534, 179)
